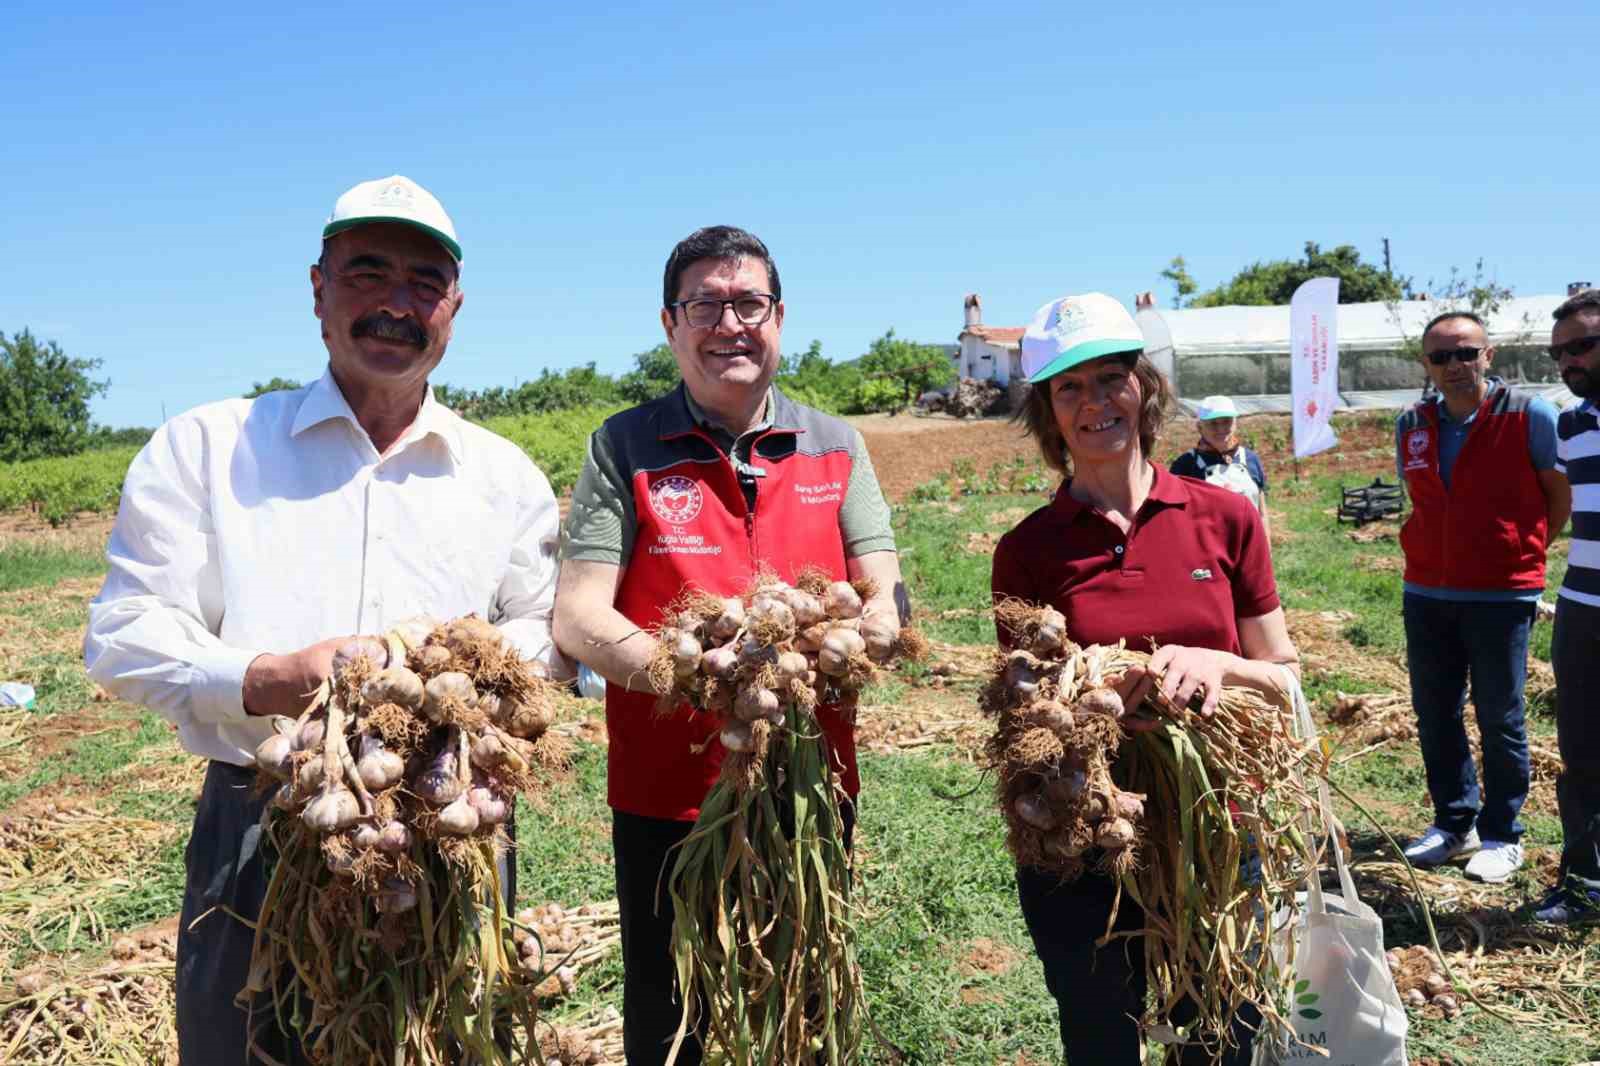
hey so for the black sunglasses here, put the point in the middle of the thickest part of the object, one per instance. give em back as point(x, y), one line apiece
point(1581, 346)
point(1465, 355)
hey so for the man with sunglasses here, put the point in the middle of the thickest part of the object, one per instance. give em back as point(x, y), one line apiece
point(1575, 346)
point(722, 477)
point(1479, 463)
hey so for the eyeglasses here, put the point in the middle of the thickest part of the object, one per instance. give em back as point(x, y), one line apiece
point(1465, 355)
point(1581, 346)
point(752, 309)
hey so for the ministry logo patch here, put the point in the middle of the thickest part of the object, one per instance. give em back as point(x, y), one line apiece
point(676, 499)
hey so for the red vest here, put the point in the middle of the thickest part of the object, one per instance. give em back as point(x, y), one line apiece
point(1488, 530)
point(693, 528)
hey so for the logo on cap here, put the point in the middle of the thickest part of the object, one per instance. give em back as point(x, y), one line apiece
point(676, 499)
point(395, 193)
point(1069, 318)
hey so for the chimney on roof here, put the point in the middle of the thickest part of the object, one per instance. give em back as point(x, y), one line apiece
point(974, 310)
point(1143, 300)
point(1573, 288)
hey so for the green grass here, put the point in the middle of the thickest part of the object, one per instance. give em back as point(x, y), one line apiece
point(564, 843)
point(24, 565)
point(941, 573)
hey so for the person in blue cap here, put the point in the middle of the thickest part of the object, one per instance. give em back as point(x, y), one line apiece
point(1222, 458)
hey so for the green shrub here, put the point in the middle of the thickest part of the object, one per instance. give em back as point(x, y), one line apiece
point(557, 442)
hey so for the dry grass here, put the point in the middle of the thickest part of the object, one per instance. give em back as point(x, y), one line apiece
point(1533, 974)
point(59, 865)
point(1323, 649)
point(79, 1010)
point(936, 717)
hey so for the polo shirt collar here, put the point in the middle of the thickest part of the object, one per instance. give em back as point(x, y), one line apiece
point(685, 415)
point(1166, 489)
point(1444, 412)
point(325, 401)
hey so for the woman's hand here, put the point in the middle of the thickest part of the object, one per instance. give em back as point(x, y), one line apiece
point(1184, 671)
point(1133, 686)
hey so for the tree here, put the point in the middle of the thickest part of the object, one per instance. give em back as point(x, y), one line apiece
point(810, 378)
point(275, 385)
point(1274, 281)
point(895, 372)
point(1480, 294)
point(1183, 285)
point(44, 399)
point(654, 373)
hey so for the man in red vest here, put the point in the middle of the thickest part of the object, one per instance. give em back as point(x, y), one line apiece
point(721, 477)
point(1479, 463)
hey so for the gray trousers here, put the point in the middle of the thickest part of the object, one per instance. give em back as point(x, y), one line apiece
point(225, 872)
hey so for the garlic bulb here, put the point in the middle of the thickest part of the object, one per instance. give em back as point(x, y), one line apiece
point(459, 817)
point(378, 767)
point(272, 755)
point(394, 685)
point(331, 810)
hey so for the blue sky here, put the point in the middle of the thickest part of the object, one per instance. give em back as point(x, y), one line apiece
point(169, 166)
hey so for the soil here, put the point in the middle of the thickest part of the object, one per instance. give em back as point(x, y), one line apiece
point(85, 532)
point(908, 450)
point(989, 957)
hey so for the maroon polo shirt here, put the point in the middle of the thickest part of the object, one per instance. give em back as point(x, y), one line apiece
point(1193, 563)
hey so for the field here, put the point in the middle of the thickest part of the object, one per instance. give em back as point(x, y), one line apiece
point(96, 797)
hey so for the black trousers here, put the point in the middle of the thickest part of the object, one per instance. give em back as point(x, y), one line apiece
point(1099, 992)
point(651, 1005)
point(225, 872)
point(1575, 654)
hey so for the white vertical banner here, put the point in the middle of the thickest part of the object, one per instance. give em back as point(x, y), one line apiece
point(1314, 364)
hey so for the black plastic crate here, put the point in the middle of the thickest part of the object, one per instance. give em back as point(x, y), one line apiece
point(1370, 503)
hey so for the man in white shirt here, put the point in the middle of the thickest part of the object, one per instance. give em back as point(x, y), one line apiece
point(256, 536)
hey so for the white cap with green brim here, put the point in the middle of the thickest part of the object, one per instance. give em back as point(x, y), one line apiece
point(394, 199)
point(1076, 329)
point(1216, 407)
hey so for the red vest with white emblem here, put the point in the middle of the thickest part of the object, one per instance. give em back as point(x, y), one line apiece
point(694, 528)
point(1490, 528)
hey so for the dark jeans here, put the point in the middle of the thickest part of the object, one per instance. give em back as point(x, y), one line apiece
point(651, 1006)
point(1446, 644)
point(1099, 992)
point(225, 869)
point(1575, 654)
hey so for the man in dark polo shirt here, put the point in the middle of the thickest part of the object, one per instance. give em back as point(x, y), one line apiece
point(1478, 461)
point(719, 478)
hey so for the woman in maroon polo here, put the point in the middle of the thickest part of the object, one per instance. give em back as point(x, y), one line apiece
point(1127, 551)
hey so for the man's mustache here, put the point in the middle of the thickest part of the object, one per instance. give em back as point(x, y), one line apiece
point(388, 328)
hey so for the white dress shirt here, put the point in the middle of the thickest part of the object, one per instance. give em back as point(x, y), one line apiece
point(267, 525)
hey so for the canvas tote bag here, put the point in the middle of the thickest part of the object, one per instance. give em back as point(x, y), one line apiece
point(1344, 998)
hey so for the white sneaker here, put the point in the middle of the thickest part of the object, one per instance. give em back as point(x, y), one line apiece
point(1437, 846)
point(1496, 862)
